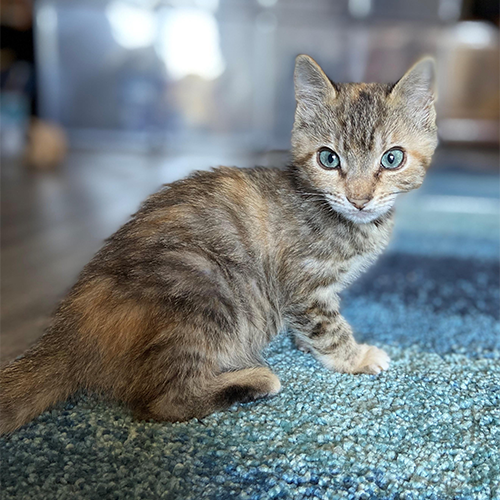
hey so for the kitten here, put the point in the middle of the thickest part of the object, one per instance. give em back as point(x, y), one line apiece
point(172, 313)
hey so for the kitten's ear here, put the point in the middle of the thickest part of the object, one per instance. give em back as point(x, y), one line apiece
point(417, 88)
point(312, 86)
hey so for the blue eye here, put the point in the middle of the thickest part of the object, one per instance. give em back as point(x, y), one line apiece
point(392, 158)
point(328, 159)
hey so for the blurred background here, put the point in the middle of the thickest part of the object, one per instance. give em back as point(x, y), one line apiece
point(104, 101)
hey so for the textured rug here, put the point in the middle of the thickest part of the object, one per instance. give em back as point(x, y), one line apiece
point(429, 428)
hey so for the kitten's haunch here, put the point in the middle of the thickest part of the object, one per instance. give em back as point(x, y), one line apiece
point(173, 312)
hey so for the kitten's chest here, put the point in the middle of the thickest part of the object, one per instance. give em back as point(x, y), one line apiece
point(337, 261)
point(350, 269)
point(336, 272)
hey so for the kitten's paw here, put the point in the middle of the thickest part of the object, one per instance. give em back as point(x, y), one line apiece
point(371, 360)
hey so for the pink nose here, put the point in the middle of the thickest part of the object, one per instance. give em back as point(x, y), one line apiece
point(359, 204)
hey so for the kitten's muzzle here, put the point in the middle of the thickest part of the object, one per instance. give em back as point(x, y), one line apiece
point(359, 204)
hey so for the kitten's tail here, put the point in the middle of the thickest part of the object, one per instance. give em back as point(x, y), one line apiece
point(33, 383)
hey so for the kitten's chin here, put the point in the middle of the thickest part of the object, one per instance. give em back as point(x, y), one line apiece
point(364, 217)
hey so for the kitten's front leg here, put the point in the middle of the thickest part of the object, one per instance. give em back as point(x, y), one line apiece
point(329, 337)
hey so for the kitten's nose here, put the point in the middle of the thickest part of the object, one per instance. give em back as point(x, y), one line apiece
point(359, 204)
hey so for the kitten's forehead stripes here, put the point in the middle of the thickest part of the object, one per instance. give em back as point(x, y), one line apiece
point(361, 110)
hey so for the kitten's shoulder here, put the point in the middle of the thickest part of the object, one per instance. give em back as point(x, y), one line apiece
point(221, 181)
point(258, 175)
point(221, 187)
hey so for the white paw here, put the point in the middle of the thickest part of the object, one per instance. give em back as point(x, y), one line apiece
point(372, 360)
point(275, 386)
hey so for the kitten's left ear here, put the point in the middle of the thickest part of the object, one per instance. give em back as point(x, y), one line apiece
point(417, 88)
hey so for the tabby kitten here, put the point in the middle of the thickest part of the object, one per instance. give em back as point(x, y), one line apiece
point(173, 312)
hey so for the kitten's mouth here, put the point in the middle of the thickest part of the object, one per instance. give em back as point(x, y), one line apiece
point(363, 216)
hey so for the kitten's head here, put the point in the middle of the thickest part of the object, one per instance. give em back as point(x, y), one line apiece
point(360, 144)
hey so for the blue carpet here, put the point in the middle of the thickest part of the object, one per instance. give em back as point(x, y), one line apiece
point(429, 428)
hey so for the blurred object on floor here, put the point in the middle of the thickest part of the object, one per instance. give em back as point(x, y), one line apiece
point(47, 146)
point(41, 144)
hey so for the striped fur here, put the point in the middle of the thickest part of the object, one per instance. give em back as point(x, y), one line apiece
point(173, 312)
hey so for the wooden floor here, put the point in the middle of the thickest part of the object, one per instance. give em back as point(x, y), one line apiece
point(53, 222)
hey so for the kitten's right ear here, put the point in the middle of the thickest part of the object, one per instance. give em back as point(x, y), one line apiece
point(417, 89)
point(312, 86)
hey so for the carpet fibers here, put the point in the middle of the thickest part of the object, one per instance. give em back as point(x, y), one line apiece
point(429, 428)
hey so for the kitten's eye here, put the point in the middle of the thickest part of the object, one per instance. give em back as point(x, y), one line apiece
point(328, 159)
point(392, 159)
